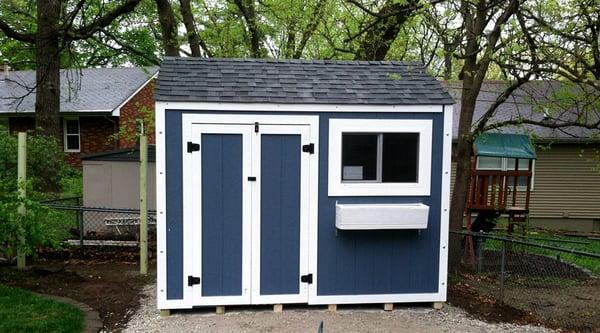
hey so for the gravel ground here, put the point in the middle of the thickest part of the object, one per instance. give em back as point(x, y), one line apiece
point(307, 319)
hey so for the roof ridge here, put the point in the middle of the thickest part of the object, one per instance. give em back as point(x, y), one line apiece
point(295, 61)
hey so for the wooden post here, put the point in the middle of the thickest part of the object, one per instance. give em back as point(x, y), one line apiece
point(143, 204)
point(21, 179)
point(332, 307)
point(220, 310)
point(438, 305)
point(388, 306)
point(278, 308)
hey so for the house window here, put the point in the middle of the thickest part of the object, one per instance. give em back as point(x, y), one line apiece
point(506, 164)
point(72, 135)
point(379, 157)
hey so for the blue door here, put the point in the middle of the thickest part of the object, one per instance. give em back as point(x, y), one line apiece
point(246, 207)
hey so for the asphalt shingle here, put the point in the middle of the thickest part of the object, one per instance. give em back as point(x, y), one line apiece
point(297, 82)
point(85, 90)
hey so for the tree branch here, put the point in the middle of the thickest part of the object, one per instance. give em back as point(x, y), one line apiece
point(11, 33)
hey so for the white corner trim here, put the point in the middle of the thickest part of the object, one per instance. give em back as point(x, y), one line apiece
point(267, 107)
point(445, 202)
point(338, 126)
point(161, 222)
point(116, 112)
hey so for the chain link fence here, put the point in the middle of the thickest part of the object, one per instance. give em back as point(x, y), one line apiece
point(101, 226)
point(557, 285)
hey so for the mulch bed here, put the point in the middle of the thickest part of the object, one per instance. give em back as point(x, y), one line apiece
point(106, 279)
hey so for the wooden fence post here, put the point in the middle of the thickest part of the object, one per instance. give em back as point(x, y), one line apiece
point(21, 179)
point(143, 204)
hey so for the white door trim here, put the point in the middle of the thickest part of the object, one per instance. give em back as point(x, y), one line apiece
point(305, 158)
point(192, 213)
point(308, 128)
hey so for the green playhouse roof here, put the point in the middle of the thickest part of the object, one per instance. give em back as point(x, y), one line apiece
point(504, 145)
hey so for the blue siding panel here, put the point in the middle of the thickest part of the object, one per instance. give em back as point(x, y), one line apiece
point(174, 218)
point(280, 214)
point(221, 214)
point(349, 262)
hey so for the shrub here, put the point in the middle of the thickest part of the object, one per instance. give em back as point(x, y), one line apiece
point(47, 171)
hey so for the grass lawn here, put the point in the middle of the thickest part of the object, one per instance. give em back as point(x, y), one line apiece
point(23, 311)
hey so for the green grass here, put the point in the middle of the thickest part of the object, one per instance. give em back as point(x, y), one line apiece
point(592, 246)
point(23, 311)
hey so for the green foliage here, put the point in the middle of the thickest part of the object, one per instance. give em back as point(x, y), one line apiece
point(23, 311)
point(46, 165)
point(46, 171)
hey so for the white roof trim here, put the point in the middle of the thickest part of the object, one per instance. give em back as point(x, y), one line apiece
point(62, 111)
point(209, 106)
point(116, 112)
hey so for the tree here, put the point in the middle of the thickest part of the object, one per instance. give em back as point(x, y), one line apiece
point(59, 23)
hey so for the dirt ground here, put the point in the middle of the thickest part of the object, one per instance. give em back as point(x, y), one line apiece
point(106, 280)
point(571, 307)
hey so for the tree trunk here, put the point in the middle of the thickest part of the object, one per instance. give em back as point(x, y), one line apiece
point(248, 11)
point(378, 39)
point(168, 27)
point(190, 26)
point(47, 53)
point(447, 63)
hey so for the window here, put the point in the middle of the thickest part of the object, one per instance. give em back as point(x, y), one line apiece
point(379, 157)
point(506, 164)
point(3, 125)
point(71, 135)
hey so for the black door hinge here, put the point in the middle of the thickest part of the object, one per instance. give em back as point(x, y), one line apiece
point(309, 148)
point(308, 278)
point(251, 179)
point(192, 280)
point(191, 147)
point(256, 127)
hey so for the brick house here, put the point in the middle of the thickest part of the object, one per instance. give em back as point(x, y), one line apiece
point(96, 105)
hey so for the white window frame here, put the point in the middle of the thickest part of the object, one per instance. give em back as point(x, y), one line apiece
point(337, 187)
point(65, 119)
point(504, 167)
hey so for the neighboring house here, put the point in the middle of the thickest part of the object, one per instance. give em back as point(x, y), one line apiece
point(95, 103)
point(566, 182)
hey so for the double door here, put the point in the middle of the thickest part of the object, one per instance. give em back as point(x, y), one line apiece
point(247, 208)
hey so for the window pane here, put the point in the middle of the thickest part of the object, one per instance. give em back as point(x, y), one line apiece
point(72, 126)
point(486, 162)
point(523, 164)
point(359, 156)
point(400, 157)
point(72, 142)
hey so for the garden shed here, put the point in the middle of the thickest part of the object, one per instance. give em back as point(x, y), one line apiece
point(299, 181)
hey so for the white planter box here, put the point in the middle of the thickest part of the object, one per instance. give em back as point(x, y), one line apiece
point(381, 216)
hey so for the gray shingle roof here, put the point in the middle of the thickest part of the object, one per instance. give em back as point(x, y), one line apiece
point(85, 90)
point(526, 102)
point(297, 82)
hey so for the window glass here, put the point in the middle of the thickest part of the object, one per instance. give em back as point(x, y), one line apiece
point(72, 126)
point(523, 164)
point(521, 181)
point(71, 129)
point(490, 163)
point(359, 156)
point(400, 157)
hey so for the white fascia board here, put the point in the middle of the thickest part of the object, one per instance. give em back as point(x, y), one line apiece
point(116, 112)
point(269, 107)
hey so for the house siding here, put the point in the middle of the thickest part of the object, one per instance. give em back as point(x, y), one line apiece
point(349, 262)
point(130, 111)
point(566, 187)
